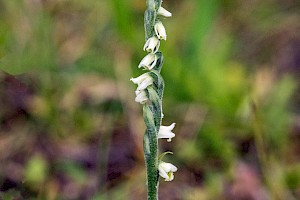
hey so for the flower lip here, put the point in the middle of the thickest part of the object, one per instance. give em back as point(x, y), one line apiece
point(165, 132)
point(149, 61)
point(164, 12)
point(140, 78)
point(160, 30)
point(166, 170)
point(152, 45)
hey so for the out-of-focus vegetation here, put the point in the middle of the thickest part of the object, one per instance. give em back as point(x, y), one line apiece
point(70, 128)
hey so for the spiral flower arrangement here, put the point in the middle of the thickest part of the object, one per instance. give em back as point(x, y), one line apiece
point(149, 93)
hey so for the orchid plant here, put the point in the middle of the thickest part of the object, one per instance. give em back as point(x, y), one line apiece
point(149, 93)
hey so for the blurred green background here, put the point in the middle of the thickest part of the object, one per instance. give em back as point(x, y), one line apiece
point(69, 126)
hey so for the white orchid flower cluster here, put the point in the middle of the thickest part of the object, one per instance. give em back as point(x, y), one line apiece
point(151, 46)
point(153, 43)
point(149, 92)
point(150, 60)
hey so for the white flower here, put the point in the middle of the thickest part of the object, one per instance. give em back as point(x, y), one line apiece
point(166, 170)
point(149, 61)
point(143, 81)
point(152, 45)
point(141, 96)
point(164, 12)
point(166, 132)
point(160, 30)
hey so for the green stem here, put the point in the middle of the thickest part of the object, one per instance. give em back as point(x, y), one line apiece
point(152, 118)
point(152, 110)
point(151, 151)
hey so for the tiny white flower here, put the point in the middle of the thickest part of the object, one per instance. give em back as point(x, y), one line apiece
point(166, 170)
point(152, 45)
point(149, 61)
point(141, 96)
point(140, 78)
point(160, 30)
point(166, 132)
point(164, 12)
point(143, 81)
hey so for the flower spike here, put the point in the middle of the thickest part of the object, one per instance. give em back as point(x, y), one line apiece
point(149, 93)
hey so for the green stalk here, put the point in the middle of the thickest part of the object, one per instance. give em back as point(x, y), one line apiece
point(152, 118)
point(152, 110)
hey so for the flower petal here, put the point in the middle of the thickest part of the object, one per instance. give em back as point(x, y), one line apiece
point(166, 170)
point(140, 78)
point(149, 61)
point(145, 83)
point(165, 132)
point(160, 31)
point(152, 45)
point(162, 172)
point(141, 96)
point(164, 12)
